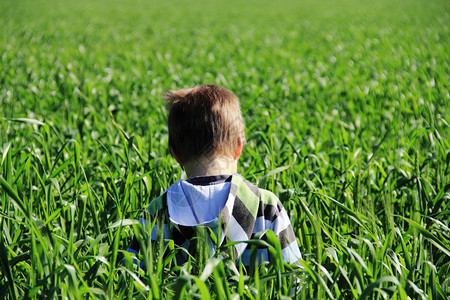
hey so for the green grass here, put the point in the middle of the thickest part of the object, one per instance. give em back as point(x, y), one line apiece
point(346, 105)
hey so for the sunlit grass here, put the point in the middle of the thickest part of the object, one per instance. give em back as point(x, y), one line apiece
point(347, 117)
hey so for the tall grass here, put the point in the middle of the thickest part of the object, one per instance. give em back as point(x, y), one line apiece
point(346, 107)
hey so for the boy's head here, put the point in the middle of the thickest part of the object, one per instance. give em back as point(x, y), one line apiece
point(205, 121)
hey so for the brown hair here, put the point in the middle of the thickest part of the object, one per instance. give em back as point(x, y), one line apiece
point(204, 121)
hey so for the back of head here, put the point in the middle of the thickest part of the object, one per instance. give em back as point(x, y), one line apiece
point(204, 121)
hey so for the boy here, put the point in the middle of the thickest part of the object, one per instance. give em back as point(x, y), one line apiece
point(206, 136)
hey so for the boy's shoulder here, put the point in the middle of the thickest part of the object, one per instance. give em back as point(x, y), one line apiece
point(246, 191)
point(157, 204)
point(264, 196)
point(267, 197)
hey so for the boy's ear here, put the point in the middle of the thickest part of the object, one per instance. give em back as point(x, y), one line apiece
point(177, 158)
point(238, 150)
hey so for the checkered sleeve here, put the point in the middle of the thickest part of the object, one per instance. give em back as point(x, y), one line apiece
point(273, 216)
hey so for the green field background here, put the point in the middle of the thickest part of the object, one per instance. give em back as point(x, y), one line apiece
point(347, 112)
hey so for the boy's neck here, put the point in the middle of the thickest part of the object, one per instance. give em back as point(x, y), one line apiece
point(210, 166)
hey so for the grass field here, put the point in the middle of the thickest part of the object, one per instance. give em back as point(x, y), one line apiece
point(347, 111)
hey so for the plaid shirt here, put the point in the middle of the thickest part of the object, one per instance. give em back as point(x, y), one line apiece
point(248, 211)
